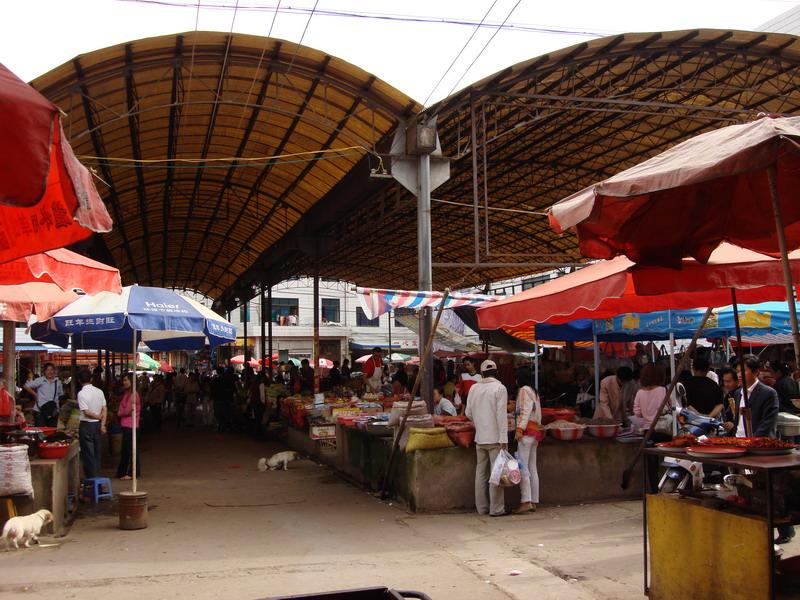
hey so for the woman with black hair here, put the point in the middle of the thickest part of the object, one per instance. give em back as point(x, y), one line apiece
point(528, 435)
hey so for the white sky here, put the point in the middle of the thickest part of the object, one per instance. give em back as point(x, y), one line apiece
point(38, 35)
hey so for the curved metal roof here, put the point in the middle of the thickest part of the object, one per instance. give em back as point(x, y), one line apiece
point(544, 128)
point(215, 97)
point(553, 125)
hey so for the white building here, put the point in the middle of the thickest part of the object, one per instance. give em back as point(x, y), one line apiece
point(344, 329)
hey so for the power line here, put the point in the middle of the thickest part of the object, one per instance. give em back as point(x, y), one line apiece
point(460, 52)
point(394, 17)
point(260, 60)
point(508, 16)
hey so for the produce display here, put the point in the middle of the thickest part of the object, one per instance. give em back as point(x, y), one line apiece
point(748, 443)
point(597, 421)
point(681, 441)
point(566, 431)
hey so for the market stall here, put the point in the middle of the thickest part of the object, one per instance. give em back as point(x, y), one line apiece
point(354, 436)
point(732, 525)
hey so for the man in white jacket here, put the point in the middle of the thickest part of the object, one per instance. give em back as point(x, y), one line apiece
point(486, 407)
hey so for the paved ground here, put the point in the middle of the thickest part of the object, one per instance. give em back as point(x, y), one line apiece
point(219, 528)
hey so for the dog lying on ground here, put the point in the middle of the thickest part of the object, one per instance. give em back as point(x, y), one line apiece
point(26, 528)
point(276, 461)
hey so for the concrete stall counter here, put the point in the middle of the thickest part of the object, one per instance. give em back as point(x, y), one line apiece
point(586, 470)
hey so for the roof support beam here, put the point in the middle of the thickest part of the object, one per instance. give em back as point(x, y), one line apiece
point(172, 143)
point(99, 151)
point(131, 101)
point(307, 168)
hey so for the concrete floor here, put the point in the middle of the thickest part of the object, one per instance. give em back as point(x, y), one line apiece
point(219, 528)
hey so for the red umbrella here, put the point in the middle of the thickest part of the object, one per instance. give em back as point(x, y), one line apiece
point(67, 269)
point(736, 184)
point(18, 302)
point(166, 367)
point(609, 288)
point(47, 198)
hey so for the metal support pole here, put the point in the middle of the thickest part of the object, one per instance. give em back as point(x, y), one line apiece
point(73, 371)
point(425, 273)
point(269, 328)
point(390, 337)
point(134, 393)
point(263, 349)
point(596, 369)
point(474, 152)
point(245, 315)
point(536, 365)
point(10, 356)
point(316, 333)
point(672, 355)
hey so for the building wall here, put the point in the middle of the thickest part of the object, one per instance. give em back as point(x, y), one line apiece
point(299, 339)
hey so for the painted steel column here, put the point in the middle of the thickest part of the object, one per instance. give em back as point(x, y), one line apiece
point(244, 320)
point(596, 370)
point(315, 354)
point(10, 356)
point(390, 336)
point(261, 307)
point(425, 273)
point(672, 355)
point(269, 327)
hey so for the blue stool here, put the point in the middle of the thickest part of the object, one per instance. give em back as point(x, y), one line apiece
point(95, 485)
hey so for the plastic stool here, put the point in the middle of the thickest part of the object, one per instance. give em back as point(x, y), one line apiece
point(95, 484)
point(10, 509)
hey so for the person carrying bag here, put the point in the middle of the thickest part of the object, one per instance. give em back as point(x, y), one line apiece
point(529, 433)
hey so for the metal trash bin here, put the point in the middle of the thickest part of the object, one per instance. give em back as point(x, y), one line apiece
point(373, 593)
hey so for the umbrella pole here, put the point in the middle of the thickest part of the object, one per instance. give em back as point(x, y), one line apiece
point(133, 413)
point(772, 177)
point(628, 472)
point(739, 349)
point(596, 371)
point(536, 365)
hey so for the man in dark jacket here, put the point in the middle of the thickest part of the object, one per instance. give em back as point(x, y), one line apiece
point(762, 401)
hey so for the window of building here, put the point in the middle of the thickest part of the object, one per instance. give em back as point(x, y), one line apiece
point(284, 307)
point(363, 321)
point(330, 310)
point(402, 312)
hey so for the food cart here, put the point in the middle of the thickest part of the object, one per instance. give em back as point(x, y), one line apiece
point(703, 548)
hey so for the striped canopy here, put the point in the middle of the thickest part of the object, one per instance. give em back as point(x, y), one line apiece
point(376, 302)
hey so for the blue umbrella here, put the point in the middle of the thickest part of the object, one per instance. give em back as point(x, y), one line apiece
point(161, 318)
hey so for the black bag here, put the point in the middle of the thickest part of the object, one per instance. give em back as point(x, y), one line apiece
point(48, 410)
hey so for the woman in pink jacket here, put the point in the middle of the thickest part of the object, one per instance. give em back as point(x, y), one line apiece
point(125, 415)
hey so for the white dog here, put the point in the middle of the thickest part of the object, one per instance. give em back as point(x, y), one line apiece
point(26, 528)
point(276, 461)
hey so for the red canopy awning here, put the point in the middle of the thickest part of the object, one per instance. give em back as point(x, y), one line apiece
point(609, 288)
point(47, 198)
point(68, 270)
point(693, 196)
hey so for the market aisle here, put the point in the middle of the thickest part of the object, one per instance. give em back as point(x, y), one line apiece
point(219, 528)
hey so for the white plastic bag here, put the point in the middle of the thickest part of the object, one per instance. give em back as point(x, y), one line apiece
point(505, 470)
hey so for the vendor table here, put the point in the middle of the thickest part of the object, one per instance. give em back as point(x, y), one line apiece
point(54, 480)
point(703, 553)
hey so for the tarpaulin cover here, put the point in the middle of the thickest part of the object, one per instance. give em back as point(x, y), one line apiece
point(47, 198)
point(690, 198)
point(375, 302)
point(606, 289)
